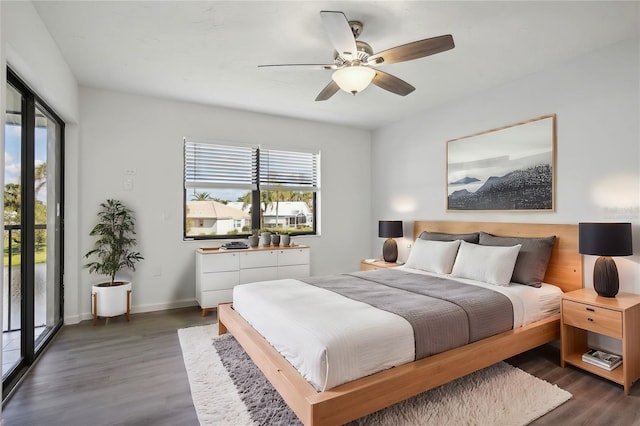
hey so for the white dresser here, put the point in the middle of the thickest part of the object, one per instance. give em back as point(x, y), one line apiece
point(218, 271)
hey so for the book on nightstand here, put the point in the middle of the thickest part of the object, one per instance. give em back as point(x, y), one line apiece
point(602, 359)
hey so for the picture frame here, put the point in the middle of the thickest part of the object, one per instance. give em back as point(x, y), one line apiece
point(511, 168)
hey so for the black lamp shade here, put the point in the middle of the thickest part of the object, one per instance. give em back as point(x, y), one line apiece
point(605, 240)
point(390, 228)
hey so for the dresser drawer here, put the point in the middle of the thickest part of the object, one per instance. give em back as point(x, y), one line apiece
point(211, 299)
point(592, 318)
point(220, 262)
point(219, 280)
point(252, 275)
point(293, 271)
point(258, 259)
point(299, 256)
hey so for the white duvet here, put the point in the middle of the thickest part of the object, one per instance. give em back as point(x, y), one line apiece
point(331, 339)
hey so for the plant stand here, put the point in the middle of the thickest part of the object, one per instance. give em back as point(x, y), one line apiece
point(109, 311)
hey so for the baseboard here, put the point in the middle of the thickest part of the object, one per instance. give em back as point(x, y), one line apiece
point(73, 319)
point(137, 309)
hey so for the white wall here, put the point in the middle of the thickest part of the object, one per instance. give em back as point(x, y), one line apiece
point(32, 53)
point(120, 131)
point(596, 98)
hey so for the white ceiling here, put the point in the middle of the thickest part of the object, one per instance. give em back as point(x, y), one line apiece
point(208, 52)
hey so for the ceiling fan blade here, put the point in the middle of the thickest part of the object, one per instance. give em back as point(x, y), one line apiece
point(329, 90)
point(414, 50)
point(392, 84)
point(302, 66)
point(339, 31)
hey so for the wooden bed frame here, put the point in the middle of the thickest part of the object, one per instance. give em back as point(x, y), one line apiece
point(372, 393)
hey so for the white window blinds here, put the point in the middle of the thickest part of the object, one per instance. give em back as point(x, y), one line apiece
point(290, 170)
point(213, 165)
point(208, 165)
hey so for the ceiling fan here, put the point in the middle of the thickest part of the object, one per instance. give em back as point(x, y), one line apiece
point(355, 63)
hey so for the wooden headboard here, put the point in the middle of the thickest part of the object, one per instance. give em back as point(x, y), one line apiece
point(565, 264)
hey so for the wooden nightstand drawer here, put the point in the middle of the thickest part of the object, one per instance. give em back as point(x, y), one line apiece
point(592, 318)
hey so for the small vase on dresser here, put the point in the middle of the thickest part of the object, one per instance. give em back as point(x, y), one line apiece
point(265, 239)
point(254, 240)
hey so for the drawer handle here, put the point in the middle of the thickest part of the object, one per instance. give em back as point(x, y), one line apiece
point(591, 310)
point(590, 319)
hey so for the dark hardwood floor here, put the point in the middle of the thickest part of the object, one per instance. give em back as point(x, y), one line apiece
point(133, 374)
point(124, 373)
point(596, 401)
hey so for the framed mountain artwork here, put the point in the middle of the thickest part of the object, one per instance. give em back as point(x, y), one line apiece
point(508, 168)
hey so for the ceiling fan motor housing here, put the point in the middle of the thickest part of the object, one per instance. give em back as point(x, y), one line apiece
point(363, 53)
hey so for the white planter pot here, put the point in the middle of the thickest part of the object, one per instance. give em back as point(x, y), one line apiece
point(110, 301)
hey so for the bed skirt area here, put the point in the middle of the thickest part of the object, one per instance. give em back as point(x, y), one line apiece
point(369, 394)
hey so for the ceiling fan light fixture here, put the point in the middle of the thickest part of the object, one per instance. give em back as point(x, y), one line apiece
point(354, 79)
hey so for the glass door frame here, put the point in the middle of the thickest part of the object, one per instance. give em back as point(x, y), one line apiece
point(29, 350)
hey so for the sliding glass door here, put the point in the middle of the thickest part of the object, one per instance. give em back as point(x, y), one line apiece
point(12, 281)
point(33, 228)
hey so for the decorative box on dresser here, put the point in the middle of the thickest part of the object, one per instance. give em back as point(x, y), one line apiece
point(218, 271)
point(367, 265)
point(583, 311)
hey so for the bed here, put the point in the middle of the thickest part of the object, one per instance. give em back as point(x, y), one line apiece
point(362, 396)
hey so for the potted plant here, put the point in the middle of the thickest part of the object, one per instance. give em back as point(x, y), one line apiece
point(275, 238)
point(285, 238)
point(254, 238)
point(265, 237)
point(113, 250)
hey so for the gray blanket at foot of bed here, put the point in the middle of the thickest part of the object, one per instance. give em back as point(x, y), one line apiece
point(444, 313)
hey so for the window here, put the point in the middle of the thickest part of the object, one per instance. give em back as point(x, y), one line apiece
point(232, 189)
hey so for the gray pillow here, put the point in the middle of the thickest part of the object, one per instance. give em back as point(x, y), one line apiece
point(532, 261)
point(441, 236)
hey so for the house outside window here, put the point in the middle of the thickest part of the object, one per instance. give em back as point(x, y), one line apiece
point(232, 189)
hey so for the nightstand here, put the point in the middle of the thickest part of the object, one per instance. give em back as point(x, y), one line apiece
point(584, 311)
point(376, 264)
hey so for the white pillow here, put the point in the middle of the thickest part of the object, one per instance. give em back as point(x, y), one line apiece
point(433, 256)
point(490, 264)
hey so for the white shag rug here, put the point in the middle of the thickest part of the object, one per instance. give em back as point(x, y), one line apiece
point(497, 395)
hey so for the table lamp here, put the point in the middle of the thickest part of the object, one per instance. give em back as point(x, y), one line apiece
point(605, 240)
point(390, 229)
